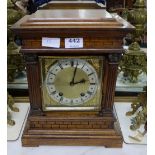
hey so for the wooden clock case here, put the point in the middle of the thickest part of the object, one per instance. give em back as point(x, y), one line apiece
point(103, 35)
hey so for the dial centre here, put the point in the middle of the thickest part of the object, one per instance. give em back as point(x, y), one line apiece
point(68, 88)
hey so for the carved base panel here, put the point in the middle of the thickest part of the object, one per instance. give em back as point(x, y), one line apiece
point(69, 132)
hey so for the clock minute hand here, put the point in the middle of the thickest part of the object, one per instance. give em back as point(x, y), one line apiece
point(72, 82)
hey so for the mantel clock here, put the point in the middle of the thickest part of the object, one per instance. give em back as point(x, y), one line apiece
point(71, 60)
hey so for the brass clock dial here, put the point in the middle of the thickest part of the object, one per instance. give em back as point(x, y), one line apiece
point(71, 83)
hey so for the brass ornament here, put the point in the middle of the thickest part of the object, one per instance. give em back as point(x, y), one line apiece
point(138, 17)
point(13, 12)
point(133, 63)
point(10, 106)
point(139, 108)
point(14, 58)
point(13, 16)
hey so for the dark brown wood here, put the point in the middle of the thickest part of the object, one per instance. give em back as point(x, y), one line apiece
point(109, 82)
point(33, 76)
point(97, 131)
point(103, 35)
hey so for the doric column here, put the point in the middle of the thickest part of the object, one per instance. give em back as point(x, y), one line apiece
point(34, 83)
point(109, 82)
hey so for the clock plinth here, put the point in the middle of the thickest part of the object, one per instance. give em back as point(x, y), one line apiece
point(98, 131)
point(72, 89)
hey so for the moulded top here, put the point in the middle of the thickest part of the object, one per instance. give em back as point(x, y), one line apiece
point(62, 21)
point(82, 17)
point(71, 15)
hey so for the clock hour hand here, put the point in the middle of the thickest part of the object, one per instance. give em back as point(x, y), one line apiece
point(81, 81)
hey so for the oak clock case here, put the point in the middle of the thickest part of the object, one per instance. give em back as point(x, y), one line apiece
point(71, 83)
point(72, 90)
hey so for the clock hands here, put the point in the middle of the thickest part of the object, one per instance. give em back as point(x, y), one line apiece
point(72, 82)
point(81, 81)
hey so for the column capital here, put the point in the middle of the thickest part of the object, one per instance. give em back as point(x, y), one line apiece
point(30, 58)
point(114, 57)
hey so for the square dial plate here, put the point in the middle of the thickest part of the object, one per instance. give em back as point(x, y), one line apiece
point(71, 83)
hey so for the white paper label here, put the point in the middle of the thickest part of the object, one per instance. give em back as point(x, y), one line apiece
point(51, 42)
point(73, 42)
